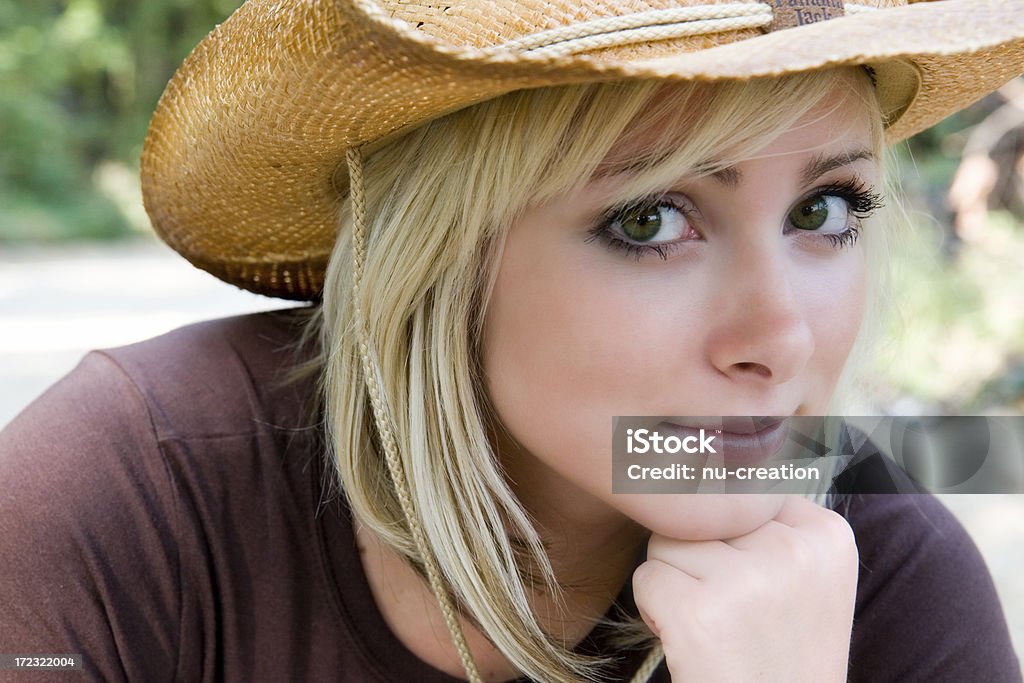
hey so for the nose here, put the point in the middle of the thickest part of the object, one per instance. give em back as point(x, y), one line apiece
point(759, 331)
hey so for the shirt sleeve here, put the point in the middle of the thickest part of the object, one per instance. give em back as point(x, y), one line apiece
point(88, 561)
point(927, 609)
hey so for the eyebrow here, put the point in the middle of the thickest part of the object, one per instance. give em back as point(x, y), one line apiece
point(815, 168)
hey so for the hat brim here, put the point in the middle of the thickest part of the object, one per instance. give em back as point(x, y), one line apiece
point(243, 166)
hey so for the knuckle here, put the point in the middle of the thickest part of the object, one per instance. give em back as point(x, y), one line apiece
point(838, 533)
point(709, 620)
point(756, 586)
point(798, 550)
point(646, 578)
point(836, 546)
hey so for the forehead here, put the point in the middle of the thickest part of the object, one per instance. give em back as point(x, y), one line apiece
point(843, 117)
point(839, 119)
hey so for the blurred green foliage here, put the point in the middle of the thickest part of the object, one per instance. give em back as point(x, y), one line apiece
point(78, 81)
point(955, 340)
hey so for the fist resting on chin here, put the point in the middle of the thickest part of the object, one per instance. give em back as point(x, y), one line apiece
point(775, 604)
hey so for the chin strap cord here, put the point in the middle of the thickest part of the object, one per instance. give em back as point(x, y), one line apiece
point(652, 662)
point(374, 384)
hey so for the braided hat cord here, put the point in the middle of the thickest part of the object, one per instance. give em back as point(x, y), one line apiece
point(387, 436)
point(646, 669)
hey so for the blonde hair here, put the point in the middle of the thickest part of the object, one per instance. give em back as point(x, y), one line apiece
point(439, 202)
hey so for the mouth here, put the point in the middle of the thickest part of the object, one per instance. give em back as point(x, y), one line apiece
point(743, 440)
point(737, 425)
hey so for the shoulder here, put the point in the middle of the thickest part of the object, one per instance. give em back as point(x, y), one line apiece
point(206, 377)
point(210, 379)
point(110, 481)
point(218, 377)
point(927, 609)
point(896, 532)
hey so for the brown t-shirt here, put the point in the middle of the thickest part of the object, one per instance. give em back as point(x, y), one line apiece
point(162, 513)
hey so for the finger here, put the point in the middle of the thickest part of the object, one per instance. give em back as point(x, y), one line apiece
point(700, 559)
point(771, 540)
point(819, 523)
point(658, 591)
point(802, 534)
point(798, 511)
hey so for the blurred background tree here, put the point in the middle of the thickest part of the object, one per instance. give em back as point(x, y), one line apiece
point(956, 342)
point(78, 81)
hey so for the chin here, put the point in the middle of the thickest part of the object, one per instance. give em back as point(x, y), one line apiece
point(702, 516)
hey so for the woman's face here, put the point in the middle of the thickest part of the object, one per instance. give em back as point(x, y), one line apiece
point(736, 294)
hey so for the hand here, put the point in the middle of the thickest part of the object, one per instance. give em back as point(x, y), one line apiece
point(775, 604)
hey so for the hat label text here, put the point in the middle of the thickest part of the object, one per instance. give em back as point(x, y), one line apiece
point(790, 13)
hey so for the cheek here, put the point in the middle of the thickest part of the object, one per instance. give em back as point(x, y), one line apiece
point(835, 305)
point(564, 351)
point(547, 346)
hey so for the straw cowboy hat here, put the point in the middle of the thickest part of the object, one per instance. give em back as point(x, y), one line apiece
point(243, 168)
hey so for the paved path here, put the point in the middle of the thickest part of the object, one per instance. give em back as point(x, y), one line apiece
point(56, 303)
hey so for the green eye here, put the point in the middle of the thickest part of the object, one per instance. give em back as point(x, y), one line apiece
point(810, 214)
point(641, 223)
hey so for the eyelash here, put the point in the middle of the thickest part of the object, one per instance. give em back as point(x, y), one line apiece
point(861, 200)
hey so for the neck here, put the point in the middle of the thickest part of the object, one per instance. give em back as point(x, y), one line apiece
point(593, 548)
point(591, 566)
point(593, 551)
point(593, 556)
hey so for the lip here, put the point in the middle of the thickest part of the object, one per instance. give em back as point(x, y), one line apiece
point(744, 440)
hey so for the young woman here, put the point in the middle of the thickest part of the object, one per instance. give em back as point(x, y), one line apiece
point(515, 223)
